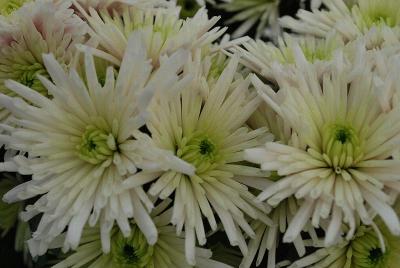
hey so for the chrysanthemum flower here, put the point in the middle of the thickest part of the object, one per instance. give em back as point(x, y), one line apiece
point(350, 22)
point(367, 249)
point(210, 134)
point(36, 28)
point(85, 142)
point(251, 12)
point(164, 31)
point(260, 56)
point(135, 251)
point(343, 170)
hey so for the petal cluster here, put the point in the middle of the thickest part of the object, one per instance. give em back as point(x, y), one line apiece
point(139, 133)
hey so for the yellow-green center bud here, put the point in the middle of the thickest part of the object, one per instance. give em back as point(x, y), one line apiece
point(341, 146)
point(96, 145)
point(132, 252)
point(201, 151)
point(367, 251)
point(8, 6)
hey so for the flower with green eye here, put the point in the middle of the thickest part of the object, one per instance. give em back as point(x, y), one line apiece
point(368, 249)
point(377, 20)
point(260, 56)
point(342, 168)
point(37, 27)
point(87, 142)
point(166, 32)
point(133, 250)
point(206, 129)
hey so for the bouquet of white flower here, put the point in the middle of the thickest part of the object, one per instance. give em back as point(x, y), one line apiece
point(140, 134)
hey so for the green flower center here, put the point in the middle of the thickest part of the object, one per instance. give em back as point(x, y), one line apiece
point(28, 74)
point(366, 250)
point(206, 147)
point(375, 255)
point(379, 12)
point(25, 74)
point(201, 151)
point(96, 145)
point(318, 53)
point(131, 252)
point(8, 6)
point(313, 49)
point(341, 146)
point(343, 134)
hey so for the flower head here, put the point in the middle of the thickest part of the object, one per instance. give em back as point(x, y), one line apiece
point(164, 31)
point(260, 56)
point(36, 28)
point(85, 142)
point(135, 251)
point(208, 133)
point(350, 21)
point(368, 249)
point(343, 167)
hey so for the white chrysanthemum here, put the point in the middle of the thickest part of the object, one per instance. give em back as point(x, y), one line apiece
point(260, 56)
point(164, 31)
point(134, 251)
point(85, 142)
point(345, 171)
point(381, 16)
point(36, 28)
point(265, 13)
point(210, 134)
point(368, 249)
